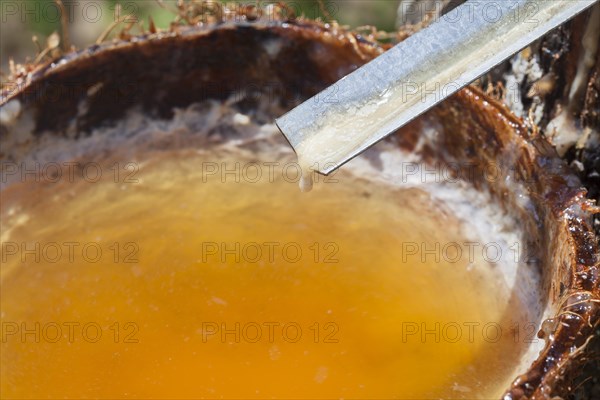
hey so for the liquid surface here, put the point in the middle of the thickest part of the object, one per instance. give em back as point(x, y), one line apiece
point(217, 287)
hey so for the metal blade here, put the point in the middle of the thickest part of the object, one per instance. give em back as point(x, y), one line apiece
point(375, 100)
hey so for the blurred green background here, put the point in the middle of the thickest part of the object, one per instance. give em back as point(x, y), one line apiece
point(23, 19)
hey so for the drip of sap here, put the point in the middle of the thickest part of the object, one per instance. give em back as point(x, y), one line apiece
point(180, 286)
point(306, 180)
